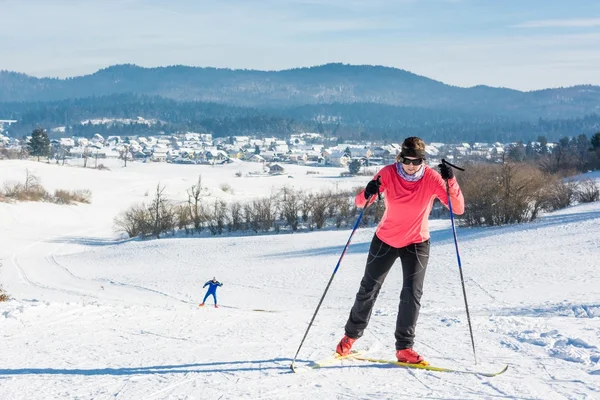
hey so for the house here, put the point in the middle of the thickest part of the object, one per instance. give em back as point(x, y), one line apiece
point(256, 158)
point(298, 157)
point(361, 153)
point(159, 153)
point(276, 169)
point(336, 158)
point(213, 155)
point(269, 155)
point(113, 140)
point(497, 151)
point(431, 151)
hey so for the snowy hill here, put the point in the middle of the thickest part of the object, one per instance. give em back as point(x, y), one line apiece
point(96, 316)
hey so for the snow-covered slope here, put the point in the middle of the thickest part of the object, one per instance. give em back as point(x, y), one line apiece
point(97, 316)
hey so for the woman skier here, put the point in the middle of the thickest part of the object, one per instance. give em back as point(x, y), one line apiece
point(410, 187)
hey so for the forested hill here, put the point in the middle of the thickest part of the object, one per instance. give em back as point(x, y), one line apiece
point(326, 84)
point(365, 121)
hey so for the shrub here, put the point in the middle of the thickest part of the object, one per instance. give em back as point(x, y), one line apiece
point(32, 190)
point(135, 221)
point(19, 192)
point(502, 194)
point(588, 191)
point(72, 196)
point(561, 194)
point(226, 188)
point(3, 295)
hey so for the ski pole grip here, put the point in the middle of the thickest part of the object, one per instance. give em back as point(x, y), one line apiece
point(452, 165)
point(378, 192)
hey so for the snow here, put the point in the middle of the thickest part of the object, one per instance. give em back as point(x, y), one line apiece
point(96, 316)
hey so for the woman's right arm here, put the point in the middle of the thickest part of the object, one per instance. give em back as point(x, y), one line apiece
point(378, 181)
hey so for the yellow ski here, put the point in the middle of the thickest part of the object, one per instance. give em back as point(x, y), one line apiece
point(430, 367)
point(324, 362)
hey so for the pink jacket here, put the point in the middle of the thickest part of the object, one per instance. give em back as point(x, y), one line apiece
point(408, 204)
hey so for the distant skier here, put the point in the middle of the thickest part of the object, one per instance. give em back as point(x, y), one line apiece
point(212, 290)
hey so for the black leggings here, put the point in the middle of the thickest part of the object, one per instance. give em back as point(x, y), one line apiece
point(381, 257)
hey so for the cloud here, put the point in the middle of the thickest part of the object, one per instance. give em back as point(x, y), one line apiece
point(561, 23)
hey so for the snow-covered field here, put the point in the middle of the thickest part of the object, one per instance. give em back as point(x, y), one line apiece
point(94, 316)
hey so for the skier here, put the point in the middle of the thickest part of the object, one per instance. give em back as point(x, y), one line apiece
point(212, 290)
point(410, 188)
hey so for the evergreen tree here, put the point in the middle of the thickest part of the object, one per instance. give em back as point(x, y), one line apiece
point(39, 144)
point(529, 150)
point(595, 141)
point(516, 152)
point(543, 144)
point(354, 166)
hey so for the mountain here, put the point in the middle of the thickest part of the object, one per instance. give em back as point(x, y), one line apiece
point(330, 83)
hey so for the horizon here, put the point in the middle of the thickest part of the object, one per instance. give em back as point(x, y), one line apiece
point(462, 43)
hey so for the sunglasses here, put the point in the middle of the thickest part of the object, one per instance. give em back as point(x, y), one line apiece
point(417, 161)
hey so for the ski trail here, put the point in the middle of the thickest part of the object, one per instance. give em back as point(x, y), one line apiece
point(170, 387)
point(25, 278)
point(51, 260)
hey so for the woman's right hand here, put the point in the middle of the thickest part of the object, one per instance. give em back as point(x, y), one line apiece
point(372, 188)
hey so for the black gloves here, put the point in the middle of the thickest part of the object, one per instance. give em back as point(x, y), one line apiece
point(372, 188)
point(446, 171)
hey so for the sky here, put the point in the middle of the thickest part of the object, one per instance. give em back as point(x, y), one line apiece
point(94, 316)
point(519, 44)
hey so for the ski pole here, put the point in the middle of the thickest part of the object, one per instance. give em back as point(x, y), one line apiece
point(292, 366)
point(462, 280)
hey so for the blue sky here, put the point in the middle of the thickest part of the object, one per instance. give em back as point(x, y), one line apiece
point(520, 44)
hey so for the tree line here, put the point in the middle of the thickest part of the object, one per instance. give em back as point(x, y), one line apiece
point(495, 194)
point(360, 121)
point(286, 210)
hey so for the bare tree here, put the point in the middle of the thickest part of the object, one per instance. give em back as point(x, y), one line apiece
point(125, 153)
point(250, 217)
point(217, 218)
point(31, 181)
point(266, 209)
point(85, 155)
point(162, 214)
point(197, 213)
point(320, 204)
point(290, 206)
point(182, 213)
point(235, 217)
point(306, 207)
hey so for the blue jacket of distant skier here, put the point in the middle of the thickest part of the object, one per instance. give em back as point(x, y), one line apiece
point(212, 286)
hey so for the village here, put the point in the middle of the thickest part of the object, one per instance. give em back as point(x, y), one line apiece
point(308, 148)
